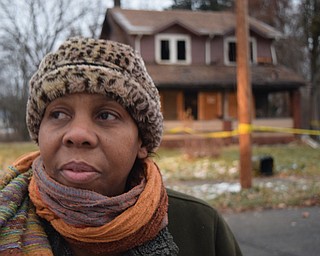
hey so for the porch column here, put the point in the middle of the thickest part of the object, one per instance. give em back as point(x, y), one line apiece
point(295, 99)
point(180, 105)
point(225, 105)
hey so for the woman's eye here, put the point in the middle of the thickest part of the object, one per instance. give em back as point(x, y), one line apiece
point(106, 116)
point(58, 115)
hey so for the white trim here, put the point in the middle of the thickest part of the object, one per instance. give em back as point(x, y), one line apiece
point(208, 49)
point(253, 40)
point(137, 43)
point(274, 55)
point(172, 38)
point(132, 30)
point(233, 39)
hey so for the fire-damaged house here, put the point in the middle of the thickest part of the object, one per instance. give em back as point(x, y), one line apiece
point(191, 56)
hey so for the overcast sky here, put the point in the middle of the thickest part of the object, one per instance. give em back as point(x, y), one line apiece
point(144, 4)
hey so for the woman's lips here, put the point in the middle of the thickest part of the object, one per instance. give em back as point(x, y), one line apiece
point(79, 172)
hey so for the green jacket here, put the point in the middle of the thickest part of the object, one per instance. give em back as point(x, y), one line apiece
point(198, 229)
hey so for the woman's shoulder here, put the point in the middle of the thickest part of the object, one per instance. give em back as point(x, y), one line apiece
point(198, 228)
point(187, 210)
point(182, 200)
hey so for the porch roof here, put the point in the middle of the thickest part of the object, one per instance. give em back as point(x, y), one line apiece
point(264, 77)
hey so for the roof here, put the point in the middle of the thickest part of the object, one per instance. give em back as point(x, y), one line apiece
point(199, 22)
point(268, 77)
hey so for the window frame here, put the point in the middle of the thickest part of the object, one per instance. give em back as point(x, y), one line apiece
point(233, 39)
point(173, 40)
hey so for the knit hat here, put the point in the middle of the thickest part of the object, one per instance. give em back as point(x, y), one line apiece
point(97, 66)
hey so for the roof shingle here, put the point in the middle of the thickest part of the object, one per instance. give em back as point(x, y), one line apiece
point(202, 22)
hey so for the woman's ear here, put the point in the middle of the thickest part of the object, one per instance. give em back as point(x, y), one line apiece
point(142, 152)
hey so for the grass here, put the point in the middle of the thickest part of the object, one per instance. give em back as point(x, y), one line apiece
point(289, 159)
point(296, 179)
point(295, 182)
point(257, 198)
point(10, 151)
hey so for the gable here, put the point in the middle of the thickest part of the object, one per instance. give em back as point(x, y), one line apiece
point(176, 27)
point(145, 22)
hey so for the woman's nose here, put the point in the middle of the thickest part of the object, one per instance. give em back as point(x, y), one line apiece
point(80, 134)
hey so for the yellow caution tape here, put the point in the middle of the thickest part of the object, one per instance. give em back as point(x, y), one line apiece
point(222, 134)
point(181, 130)
point(187, 130)
point(242, 129)
point(285, 130)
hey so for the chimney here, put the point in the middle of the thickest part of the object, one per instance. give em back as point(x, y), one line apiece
point(117, 3)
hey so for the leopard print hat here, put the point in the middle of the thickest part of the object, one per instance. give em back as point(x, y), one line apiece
point(97, 66)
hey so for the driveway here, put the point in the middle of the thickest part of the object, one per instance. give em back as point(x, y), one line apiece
point(279, 232)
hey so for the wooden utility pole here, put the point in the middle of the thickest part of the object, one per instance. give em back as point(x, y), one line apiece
point(244, 93)
point(117, 3)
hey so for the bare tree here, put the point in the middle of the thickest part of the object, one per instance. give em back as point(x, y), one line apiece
point(213, 5)
point(273, 12)
point(28, 30)
point(281, 15)
point(291, 49)
point(310, 26)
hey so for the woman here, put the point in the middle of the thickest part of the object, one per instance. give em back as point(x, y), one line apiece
point(93, 189)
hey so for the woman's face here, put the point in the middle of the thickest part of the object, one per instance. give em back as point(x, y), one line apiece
point(89, 141)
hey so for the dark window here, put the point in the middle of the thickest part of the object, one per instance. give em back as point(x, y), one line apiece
point(165, 50)
point(232, 54)
point(191, 104)
point(181, 50)
point(272, 104)
point(261, 102)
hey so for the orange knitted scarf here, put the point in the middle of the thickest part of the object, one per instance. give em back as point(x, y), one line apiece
point(136, 225)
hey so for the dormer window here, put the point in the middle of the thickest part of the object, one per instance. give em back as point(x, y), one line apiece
point(230, 51)
point(173, 49)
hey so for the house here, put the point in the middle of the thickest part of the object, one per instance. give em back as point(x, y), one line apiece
point(191, 56)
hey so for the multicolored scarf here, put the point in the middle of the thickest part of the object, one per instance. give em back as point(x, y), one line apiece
point(137, 226)
point(21, 232)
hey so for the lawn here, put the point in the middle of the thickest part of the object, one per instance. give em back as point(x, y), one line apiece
point(290, 159)
point(10, 151)
point(295, 182)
